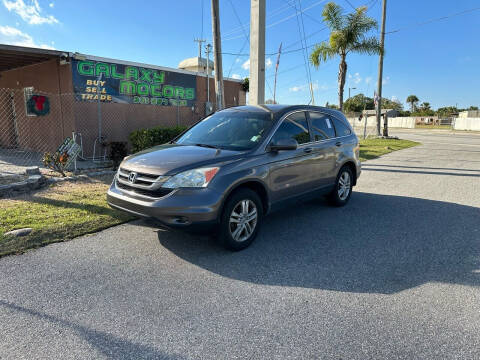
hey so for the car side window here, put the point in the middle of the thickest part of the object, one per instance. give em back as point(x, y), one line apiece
point(322, 126)
point(295, 126)
point(341, 128)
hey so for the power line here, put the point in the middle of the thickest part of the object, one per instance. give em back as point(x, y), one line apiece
point(281, 20)
point(349, 3)
point(247, 37)
point(434, 20)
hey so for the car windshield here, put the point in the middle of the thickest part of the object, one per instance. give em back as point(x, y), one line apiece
point(231, 130)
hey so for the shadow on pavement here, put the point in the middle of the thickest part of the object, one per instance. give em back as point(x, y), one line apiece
point(108, 345)
point(376, 244)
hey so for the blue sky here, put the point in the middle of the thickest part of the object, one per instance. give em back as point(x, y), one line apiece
point(438, 62)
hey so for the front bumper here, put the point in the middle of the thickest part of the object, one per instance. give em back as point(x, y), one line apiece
point(182, 208)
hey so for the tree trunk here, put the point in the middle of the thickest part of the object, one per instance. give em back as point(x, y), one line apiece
point(342, 72)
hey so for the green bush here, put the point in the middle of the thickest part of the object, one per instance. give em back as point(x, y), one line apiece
point(146, 138)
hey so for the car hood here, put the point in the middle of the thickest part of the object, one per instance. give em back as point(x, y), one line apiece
point(170, 159)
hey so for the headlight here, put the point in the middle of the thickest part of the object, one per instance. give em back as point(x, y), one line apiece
point(191, 178)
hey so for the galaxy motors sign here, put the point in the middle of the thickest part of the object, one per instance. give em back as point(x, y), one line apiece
point(119, 83)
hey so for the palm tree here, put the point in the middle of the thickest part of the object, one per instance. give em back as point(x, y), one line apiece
point(348, 33)
point(425, 106)
point(413, 101)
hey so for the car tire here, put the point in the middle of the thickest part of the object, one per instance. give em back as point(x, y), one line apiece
point(342, 191)
point(241, 220)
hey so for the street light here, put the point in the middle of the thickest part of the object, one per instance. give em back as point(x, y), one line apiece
point(349, 91)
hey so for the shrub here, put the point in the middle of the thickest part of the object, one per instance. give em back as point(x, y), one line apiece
point(145, 138)
point(118, 150)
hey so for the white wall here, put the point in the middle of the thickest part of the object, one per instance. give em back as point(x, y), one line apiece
point(467, 124)
point(397, 122)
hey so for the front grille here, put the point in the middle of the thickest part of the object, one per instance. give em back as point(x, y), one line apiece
point(156, 193)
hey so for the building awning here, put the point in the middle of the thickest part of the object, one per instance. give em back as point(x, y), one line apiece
point(12, 57)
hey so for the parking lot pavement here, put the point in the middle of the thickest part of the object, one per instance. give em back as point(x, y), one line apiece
point(395, 274)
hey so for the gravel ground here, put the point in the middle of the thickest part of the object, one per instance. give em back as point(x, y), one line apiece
point(395, 274)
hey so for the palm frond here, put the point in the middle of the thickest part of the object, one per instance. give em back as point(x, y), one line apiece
point(369, 46)
point(333, 15)
point(321, 53)
point(358, 24)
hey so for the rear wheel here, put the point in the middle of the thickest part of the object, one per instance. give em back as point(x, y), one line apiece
point(241, 220)
point(343, 187)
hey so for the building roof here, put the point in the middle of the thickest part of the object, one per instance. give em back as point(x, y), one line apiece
point(12, 57)
point(195, 62)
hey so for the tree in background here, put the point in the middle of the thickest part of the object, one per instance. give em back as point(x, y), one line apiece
point(413, 101)
point(425, 106)
point(331, 106)
point(348, 34)
point(360, 102)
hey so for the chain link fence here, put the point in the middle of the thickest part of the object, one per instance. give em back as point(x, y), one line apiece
point(25, 135)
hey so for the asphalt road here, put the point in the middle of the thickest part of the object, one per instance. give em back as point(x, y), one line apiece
point(395, 274)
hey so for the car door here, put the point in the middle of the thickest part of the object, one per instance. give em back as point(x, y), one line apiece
point(323, 148)
point(290, 171)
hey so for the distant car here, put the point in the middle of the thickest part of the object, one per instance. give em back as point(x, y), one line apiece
point(229, 170)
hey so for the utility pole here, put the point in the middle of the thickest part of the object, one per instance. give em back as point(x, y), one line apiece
point(276, 71)
point(257, 52)
point(208, 50)
point(217, 44)
point(380, 74)
point(200, 42)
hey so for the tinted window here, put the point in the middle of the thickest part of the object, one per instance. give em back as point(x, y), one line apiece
point(341, 128)
point(234, 130)
point(295, 127)
point(322, 126)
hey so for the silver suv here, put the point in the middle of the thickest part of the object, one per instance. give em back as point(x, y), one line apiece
point(228, 171)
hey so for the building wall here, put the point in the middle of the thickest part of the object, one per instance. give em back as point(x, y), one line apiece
point(41, 133)
point(467, 124)
point(117, 121)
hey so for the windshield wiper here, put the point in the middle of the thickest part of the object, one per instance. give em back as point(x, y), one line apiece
point(208, 146)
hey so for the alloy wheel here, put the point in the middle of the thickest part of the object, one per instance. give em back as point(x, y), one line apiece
point(344, 186)
point(243, 220)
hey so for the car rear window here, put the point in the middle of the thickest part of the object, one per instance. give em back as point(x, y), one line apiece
point(322, 126)
point(341, 128)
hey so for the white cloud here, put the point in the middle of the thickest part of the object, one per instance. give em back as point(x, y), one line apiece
point(236, 76)
point(368, 79)
point(304, 87)
point(13, 36)
point(268, 63)
point(386, 80)
point(356, 78)
point(51, 5)
point(31, 13)
point(237, 60)
point(394, 98)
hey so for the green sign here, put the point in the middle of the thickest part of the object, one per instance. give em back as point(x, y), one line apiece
point(119, 83)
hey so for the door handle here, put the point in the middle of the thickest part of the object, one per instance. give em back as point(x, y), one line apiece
point(308, 150)
point(338, 143)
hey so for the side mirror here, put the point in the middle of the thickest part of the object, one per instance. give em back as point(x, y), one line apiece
point(283, 144)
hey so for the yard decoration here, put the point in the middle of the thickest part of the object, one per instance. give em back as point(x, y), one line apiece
point(56, 161)
point(38, 105)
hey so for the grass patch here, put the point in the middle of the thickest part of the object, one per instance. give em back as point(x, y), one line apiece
point(373, 147)
point(58, 213)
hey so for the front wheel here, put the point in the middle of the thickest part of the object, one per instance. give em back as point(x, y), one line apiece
point(241, 220)
point(343, 187)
